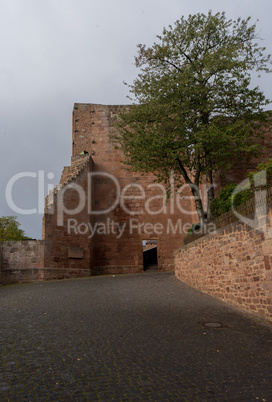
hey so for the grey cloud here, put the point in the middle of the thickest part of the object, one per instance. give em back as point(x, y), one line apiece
point(55, 53)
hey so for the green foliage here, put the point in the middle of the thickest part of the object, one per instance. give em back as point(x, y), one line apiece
point(9, 229)
point(267, 165)
point(227, 197)
point(253, 176)
point(193, 228)
point(194, 110)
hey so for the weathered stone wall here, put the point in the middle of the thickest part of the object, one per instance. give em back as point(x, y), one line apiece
point(234, 264)
point(21, 261)
point(130, 221)
point(68, 254)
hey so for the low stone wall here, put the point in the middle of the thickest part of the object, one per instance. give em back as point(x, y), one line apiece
point(21, 261)
point(233, 264)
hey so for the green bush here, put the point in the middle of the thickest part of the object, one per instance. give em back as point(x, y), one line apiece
point(193, 228)
point(227, 197)
point(262, 166)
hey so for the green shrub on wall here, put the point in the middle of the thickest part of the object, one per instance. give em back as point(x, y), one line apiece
point(267, 166)
point(228, 197)
point(193, 228)
point(223, 203)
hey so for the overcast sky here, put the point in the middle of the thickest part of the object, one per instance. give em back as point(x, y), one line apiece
point(58, 52)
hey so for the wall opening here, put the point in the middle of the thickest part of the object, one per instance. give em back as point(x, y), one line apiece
point(150, 255)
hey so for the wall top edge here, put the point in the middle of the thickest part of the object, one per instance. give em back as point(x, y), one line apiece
point(21, 242)
point(78, 105)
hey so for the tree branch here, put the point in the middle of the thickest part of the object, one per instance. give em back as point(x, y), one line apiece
point(183, 172)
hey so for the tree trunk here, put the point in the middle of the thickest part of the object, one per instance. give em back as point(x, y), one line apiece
point(210, 194)
point(199, 206)
point(196, 193)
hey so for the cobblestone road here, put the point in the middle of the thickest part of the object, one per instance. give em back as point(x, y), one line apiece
point(129, 338)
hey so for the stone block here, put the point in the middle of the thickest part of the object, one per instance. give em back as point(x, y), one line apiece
point(75, 252)
point(267, 247)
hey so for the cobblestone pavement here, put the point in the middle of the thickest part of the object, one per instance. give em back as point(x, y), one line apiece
point(129, 338)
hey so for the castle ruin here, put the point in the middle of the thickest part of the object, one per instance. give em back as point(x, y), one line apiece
point(121, 210)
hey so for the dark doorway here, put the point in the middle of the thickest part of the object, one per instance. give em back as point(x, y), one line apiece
point(150, 255)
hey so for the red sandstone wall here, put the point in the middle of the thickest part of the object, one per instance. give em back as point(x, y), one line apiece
point(68, 254)
point(92, 128)
point(234, 265)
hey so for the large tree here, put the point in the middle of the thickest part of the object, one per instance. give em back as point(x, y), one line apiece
point(10, 229)
point(194, 109)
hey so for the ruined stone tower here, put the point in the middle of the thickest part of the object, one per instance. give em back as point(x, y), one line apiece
point(98, 216)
